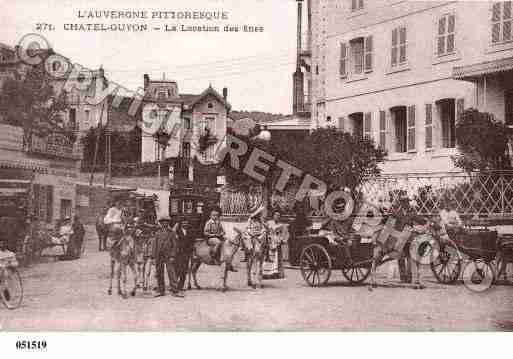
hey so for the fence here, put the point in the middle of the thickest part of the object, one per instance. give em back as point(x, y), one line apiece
point(488, 195)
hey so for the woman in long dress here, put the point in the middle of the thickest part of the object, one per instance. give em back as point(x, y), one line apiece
point(278, 235)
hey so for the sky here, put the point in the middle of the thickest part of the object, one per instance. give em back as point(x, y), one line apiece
point(256, 67)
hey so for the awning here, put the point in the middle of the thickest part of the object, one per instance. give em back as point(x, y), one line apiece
point(476, 71)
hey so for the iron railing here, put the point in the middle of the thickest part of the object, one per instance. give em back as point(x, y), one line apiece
point(488, 195)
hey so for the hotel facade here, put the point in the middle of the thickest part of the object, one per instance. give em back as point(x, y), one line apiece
point(402, 71)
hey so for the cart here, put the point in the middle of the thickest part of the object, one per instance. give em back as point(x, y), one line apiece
point(319, 257)
point(469, 246)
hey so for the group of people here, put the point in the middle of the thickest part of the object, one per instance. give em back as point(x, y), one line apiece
point(173, 243)
point(272, 234)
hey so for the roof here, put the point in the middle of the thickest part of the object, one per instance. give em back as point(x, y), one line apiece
point(272, 121)
point(211, 92)
point(188, 99)
point(474, 71)
point(257, 116)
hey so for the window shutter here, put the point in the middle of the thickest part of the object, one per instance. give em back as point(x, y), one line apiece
point(394, 47)
point(460, 106)
point(360, 4)
point(368, 53)
point(49, 204)
point(354, 4)
point(341, 123)
point(411, 127)
point(382, 129)
point(429, 126)
point(343, 59)
point(496, 22)
point(367, 125)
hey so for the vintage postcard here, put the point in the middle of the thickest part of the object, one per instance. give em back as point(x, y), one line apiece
point(265, 165)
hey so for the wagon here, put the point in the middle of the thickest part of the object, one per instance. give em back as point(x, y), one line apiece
point(319, 257)
point(471, 246)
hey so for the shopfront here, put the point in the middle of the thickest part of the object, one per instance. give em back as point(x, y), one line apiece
point(38, 179)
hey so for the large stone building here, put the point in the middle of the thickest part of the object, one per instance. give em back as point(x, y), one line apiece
point(402, 71)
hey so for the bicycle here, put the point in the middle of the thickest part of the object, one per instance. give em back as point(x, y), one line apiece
point(11, 287)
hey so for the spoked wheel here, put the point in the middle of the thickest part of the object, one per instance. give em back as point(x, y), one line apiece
point(11, 289)
point(315, 263)
point(446, 264)
point(357, 275)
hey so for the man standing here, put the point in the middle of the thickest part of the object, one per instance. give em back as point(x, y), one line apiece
point(165, 253)
point(185, 241)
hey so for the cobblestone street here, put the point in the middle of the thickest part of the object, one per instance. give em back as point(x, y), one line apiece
point(73, 296)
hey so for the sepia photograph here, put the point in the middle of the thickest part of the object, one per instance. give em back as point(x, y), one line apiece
point(256, 166)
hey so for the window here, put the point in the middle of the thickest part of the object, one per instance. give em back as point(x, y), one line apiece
point(187, 123)
point(209, 123)
point(356, 121)
point(356, 5)
point(72, 117)
point(447, 114)
point(403, 120)
point(398, 54)
point(501, 22)
point(162, 95)
point(87, 118)
point(357, 58)
point(445, 37)
point(186, 150)
point(341, 124)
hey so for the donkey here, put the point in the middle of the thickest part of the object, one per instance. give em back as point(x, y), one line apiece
point(255, 249)
point(395, 245)
point(202, 255)
point(144, 240)
point(124, 254)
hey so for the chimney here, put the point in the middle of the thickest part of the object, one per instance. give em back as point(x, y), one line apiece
point(146, 81)
point(225, 94)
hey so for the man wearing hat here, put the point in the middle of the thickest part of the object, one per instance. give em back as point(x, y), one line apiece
point(165, 249)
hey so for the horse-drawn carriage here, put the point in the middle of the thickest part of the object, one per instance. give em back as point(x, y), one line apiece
point(319, 257)
point(480, 253)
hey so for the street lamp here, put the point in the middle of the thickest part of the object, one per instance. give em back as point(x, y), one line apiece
point(162, 138)
point(265, 136)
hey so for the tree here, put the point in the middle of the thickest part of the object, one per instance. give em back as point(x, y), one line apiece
point(338, 158)
point(482, 142)
point(125, 147)
point(31, 102)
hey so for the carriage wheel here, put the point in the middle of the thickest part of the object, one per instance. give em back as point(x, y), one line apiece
point(446, 264)
point(357, 275)
point(11, 289)
point(315, 265)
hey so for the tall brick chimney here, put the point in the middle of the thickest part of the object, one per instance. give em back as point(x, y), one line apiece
point(225, 94)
